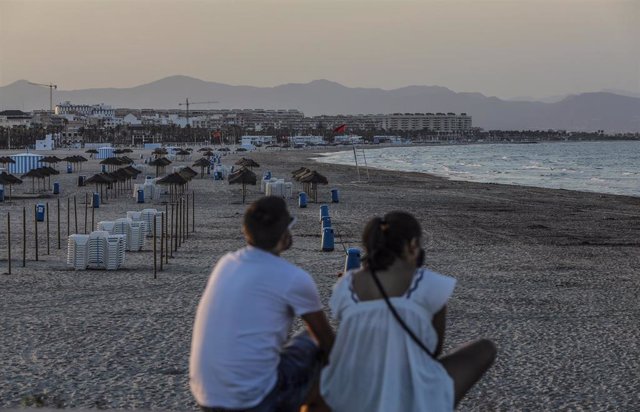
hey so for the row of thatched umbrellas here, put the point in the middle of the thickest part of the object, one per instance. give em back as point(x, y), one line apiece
point(120, 178)
point(114, 162)
point(310, 180)
point(178, 182)
point(40, 173)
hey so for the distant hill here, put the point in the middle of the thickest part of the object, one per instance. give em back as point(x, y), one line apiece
point(587, 111)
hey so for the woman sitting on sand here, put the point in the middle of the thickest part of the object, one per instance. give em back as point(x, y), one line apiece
point(376, 364)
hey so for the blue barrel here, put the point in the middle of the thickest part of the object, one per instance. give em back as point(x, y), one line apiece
point(324, 211)
point(352, 261)
point(56, 188)
point(302, 200)
point(326, 222)
point(40, 211)
point(69, 168)
point(140, 196)
point(267, 175)
point(334, 196)
point(327, 239)
point(104, 168)
point(95, 200)
point(81, 180)
point(2, 195)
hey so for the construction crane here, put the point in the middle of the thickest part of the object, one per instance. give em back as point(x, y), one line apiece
point(187, 104)
point(51, 86)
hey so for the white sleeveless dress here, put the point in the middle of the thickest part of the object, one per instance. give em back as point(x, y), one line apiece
point(374, 365)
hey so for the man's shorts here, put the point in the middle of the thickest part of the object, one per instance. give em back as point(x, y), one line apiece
point(299, 368)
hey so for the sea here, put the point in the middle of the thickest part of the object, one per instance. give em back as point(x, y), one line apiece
point(603, 167)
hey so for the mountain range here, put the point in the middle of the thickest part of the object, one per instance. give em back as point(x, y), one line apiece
point(607, 111)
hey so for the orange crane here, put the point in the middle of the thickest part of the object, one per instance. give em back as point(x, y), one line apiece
point(51, 86)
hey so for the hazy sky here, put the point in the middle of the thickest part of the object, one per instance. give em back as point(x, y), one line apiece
point(504, 48)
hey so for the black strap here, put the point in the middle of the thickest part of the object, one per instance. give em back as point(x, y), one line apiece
point(412, 335)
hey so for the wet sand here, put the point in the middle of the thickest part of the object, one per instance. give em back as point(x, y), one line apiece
point(550, 275)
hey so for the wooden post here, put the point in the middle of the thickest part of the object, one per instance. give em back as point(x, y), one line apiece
point(68, 216)
point(75, 211)
point(24, 236)
point(58, 223)
point(93, 213)
point(166, 232)
point(161, 242)
point(193, 211)
point(155, 245)
point(35, 221)
point(186, 226)
point(48, 249)
point(86, 201)
point(9, 241)
point(172, 225)
point(178, 222)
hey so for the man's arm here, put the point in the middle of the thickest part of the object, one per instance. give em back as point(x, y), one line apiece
point(319, 327)
point(439, 324)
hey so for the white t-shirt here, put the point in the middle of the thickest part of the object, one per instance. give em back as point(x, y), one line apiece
point(241, 324)
point(374, 365)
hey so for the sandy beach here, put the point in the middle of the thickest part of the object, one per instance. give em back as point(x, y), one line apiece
point(551, 276)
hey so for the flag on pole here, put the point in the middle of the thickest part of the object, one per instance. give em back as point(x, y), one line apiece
point(340, 129)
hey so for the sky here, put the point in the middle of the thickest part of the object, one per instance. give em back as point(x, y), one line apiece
point(503, 48)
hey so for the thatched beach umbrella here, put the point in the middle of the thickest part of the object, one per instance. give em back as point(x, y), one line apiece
point(176, 183)
point(312, 179)
point(7, 179)
point(299, 172)
point(33, 174)
point(134, 172)
point(112, 163)
point(160, 163)
point(202, 163)
point(100, 180)
point(224, 149)
point(6, 160)
point(205, 149)
point(118, 151)
point(244, 177)
point(183, 154)
point(159, 151)
point(246, 162)
point(50, 160)
point(92, 151)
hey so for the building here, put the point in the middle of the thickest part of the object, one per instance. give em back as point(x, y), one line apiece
point(46, 144)
point(306, 140)
point(439, 122)
point(348, 139)
point(100, 111)
point(256, 140)
point(12, 118)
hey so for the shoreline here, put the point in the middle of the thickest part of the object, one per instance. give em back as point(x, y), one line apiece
point(549, 275)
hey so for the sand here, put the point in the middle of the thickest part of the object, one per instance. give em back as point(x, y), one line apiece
point(551, 276)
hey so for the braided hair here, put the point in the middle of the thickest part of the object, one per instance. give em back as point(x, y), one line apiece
point(384, 238)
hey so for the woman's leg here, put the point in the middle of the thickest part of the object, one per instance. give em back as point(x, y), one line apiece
point(467, 364)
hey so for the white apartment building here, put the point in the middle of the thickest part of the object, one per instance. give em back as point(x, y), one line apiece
point(348, 139)
point(256, 140)
point(306, 140)
point(12, 118)
point(100, 111)
point(439, 122)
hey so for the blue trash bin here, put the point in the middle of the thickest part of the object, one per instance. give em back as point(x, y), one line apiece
point(324, 211)
point(302, 200)
point(95, 200)
point(104, 168)
point(326, 222)
point(69, 169)
point(81, 180)
point(267, 175)
point(334, 195)
point(56, 188)
point(352, 261)
point(2, 195)
point(140, 196)
point(327, 239)
point(40, 211)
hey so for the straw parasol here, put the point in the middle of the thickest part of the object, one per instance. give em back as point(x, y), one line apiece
point(34, 174)
point(159, 151)
point(92, 151)
point(244, 177)
point(241, 149)
point(100, 180)
point(202, 163)
point(160, 163)
point(183, 154)
point(112, 162)
point(175, 181)
point(224, 149)
point(246, 162)
point(205, 149)
point(49, 160)
point(8, 179)
point(6, 159)
point(312, 179)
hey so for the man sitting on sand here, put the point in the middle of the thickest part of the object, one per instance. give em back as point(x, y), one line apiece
point(240, 356)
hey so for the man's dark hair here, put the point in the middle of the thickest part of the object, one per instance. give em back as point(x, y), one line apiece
point(265, 220)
